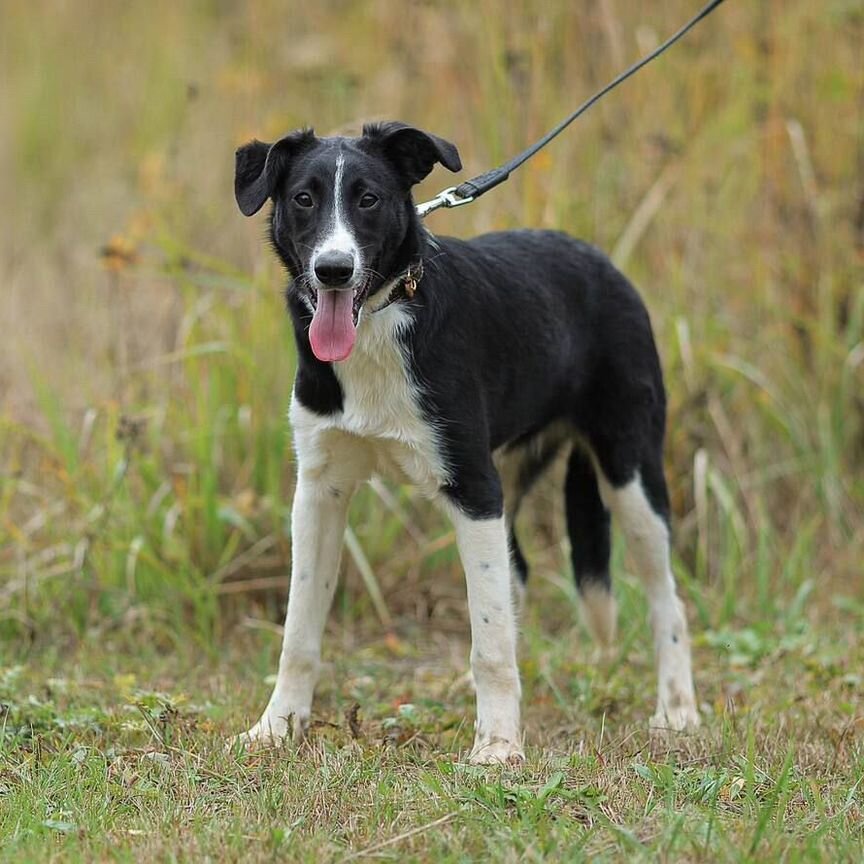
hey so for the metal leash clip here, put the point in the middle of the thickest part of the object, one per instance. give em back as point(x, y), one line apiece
point(446, 198)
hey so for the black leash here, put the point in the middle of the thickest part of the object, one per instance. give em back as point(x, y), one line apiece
point(472, 189)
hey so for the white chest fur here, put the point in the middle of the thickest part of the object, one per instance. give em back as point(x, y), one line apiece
point(381, 405)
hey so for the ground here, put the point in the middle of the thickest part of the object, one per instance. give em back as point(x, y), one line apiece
point(115, 751)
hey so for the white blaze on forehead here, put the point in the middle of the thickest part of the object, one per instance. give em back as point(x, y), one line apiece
point(338, 236)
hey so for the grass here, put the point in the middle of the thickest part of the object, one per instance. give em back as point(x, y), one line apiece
point(123, 756)
point(146, 365)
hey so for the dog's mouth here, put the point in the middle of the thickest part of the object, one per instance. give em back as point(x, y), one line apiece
point(359, 295)
point(336, 312)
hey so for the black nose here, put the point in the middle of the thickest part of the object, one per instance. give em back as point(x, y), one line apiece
point(334, 268)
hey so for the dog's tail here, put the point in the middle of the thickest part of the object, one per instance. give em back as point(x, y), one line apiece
point(589, 527)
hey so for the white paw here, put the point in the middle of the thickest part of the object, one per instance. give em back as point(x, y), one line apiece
point(496, 751)
point(678, 719)
point(273, 728)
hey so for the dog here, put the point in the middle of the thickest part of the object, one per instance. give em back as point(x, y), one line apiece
point(463, 367)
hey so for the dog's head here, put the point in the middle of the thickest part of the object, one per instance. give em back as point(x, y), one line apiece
point(342, 217)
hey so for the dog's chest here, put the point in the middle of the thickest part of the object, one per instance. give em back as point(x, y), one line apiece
point(381, 403)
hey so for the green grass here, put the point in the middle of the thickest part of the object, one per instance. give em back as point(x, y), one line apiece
point(122, 755)
point(145, 371)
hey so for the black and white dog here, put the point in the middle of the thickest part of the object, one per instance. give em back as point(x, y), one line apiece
point(463, 367)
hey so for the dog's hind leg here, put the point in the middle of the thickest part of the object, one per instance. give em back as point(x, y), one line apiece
point(588, 525)
point(329, 468)
point(641, 507)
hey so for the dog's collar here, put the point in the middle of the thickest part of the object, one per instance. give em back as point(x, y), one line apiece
point(405, 286)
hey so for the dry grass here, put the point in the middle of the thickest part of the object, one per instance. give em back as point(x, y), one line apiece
point(146, 364)
point(122, 755)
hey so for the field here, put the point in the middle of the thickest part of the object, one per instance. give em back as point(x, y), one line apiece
point(147, 363)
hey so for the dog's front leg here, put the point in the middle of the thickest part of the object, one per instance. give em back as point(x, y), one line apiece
point(318, 519)
point(486, 559)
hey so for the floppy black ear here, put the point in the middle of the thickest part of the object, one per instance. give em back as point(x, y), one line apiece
point(414, 151)
point(258, 166)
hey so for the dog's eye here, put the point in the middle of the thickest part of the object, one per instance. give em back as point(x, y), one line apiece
point(303, 199)
point(368, 200)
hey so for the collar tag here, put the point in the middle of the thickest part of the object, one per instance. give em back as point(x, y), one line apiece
point(412, 277)
point(405, 286)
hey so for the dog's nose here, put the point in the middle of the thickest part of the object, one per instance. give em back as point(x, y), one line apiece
point(334, 268)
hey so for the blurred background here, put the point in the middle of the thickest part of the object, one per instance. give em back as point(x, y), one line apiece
point(146, 361)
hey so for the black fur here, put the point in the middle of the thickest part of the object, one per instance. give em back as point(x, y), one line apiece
point(513, 331)
point(588, 523)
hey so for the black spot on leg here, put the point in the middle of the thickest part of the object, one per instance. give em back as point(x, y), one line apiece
point(303, 575)
point(675, 638)
point(327, 584)
point(485, 565)
point(334, 492)
point(485, 619)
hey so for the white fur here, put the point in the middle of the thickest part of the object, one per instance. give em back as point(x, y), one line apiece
point(379, 430)
point(318, 519)
point(509, 464)
point(340, 237)
point(648, 540)
point(600, 613)
point(483, 549)
point(381, 404)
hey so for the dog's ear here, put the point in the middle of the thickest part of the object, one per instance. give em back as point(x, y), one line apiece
point(413, 151)
point(258, 167)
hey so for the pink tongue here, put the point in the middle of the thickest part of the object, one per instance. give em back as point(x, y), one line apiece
point(332, 333)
